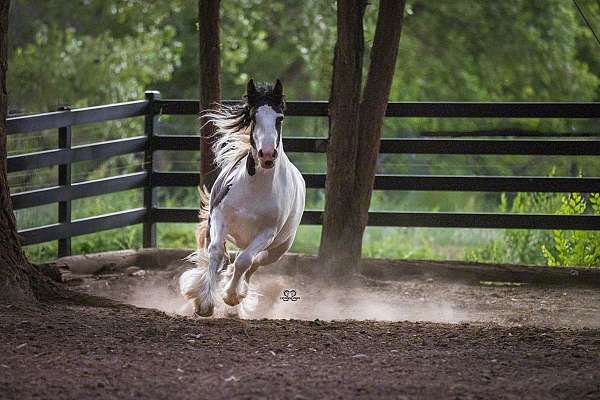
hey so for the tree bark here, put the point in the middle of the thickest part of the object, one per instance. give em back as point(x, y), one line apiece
point(374, 102)
point(210, 82)
point(341, 213)
point(15, 284)
point(355, 133)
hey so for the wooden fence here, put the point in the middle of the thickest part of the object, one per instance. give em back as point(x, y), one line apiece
point(150, 215)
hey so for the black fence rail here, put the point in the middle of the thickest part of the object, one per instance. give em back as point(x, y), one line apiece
point(148, 143)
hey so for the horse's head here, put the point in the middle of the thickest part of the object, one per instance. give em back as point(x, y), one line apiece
point(266, 105)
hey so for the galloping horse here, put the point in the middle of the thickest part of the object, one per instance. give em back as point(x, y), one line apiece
point(256, 202)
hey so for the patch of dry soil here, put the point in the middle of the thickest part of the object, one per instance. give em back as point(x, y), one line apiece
point(59, 351)
point(485, 342)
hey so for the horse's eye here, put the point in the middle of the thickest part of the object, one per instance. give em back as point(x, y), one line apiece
point(279, 120)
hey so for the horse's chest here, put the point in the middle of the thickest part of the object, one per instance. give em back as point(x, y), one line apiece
point(250, 213)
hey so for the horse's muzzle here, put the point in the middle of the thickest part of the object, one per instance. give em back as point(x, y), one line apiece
point(267, 156)
point(267, 164)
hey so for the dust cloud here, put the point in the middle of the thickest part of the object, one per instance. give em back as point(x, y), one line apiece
point(359, 299)
point(160, 297)
point(309, 298)
point(420, 297)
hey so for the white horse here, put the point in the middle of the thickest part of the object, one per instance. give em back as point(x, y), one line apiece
point(256, 202)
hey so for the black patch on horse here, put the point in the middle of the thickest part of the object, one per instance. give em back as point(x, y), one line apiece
point(278, 122)
point(250, 164)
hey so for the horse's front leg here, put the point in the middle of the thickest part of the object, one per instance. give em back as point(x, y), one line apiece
point(265, 257)
point(204, 302)
point(243, 262)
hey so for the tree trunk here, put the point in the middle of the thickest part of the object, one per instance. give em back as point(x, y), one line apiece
point(374, 102)
point(19, 280)
point(210, 82)
point(355, 132)
point(14, 280)
point(341, 213)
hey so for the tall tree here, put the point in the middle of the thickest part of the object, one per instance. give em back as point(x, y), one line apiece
point(210, 82)
point(355, 126)
point(344, 106)
point(19, 280)
point(15, 270)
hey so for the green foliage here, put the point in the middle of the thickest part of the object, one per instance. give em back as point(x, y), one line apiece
point(88, 52)
point(121, 239)
point(181, 236)
point(575, 248)
point(506, 51)
point(97, 51)
point(61, 66)
point(398, 243)
point(42, 252)
point(555, 248)
point(519, 245)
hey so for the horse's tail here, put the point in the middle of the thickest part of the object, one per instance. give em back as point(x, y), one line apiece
point(200, 285)
point(202, 232)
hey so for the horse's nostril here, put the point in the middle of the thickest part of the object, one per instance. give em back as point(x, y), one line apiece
point(275, 153)
point(260, 153)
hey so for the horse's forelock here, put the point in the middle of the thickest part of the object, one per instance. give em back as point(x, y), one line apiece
point(265, 95)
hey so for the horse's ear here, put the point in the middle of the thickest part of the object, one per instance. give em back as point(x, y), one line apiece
point(250, 88)
point(278, 89)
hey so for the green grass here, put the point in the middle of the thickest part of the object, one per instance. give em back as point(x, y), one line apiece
point(414, 243)
point(115, 239)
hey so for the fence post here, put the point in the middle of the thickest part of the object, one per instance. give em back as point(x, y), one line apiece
point(64, 179)
point(150, 128)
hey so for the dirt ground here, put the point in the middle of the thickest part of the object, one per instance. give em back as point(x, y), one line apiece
point(414, 299)
point(485, 342)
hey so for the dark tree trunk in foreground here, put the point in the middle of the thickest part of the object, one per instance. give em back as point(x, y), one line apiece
point(210, 83)
point(375, 99)
point(341, 213)
point(354, 136)
point(15, 270)
point(19, 280)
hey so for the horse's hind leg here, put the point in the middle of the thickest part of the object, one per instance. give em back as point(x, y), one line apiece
point(242, 263)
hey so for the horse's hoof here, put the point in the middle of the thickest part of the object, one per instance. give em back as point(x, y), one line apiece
point(231, 300)
point(242, 291)
point(202, 310)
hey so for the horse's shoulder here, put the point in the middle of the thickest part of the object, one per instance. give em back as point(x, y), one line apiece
point(221, 186)
point(218, 192)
